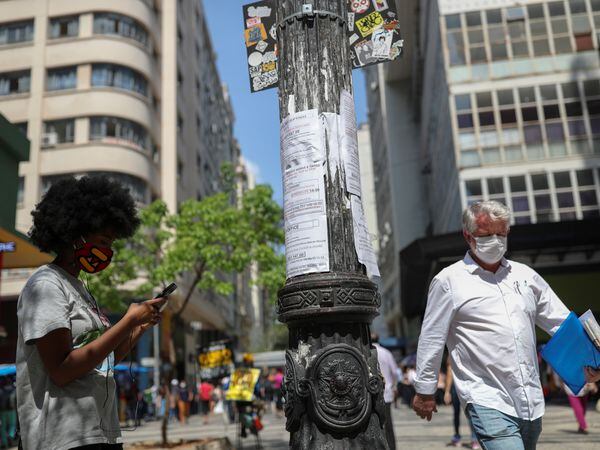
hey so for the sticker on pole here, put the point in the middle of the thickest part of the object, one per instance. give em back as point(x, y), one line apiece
point(372, 29)
point(261, 44)
point(376, 37)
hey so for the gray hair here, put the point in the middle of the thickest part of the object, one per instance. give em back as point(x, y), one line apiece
point(491, 208)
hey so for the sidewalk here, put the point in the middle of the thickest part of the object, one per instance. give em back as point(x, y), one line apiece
point(411, 432)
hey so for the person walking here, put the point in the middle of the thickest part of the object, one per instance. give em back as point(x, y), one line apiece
point(485, 309)
point(579, 404)
point(66, 346)
point(183, 402)
point(8, 415)
point(173, 399)
point(205, 393)
point(387, 365)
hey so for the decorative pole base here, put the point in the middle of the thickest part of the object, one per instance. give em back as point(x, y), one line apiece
point(332, 382)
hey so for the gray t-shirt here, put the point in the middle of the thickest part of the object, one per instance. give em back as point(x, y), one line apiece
point(84, 411)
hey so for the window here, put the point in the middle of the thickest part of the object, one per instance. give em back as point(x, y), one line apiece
point(476, 37)
point(515, 18)
point(587, 193)
point(14, 32)
point(541, 196)
point(62, 78)
point(61, 27)
point(120, 77)
point(20, 191)
point(118, 24)
point(538, 29)
point(496, 34)
point(456, 44)
point(473, 191)
point(496, 190)
point(15, 82)
point(580, 23)
point(560, 27)
point(64, 130)
point(564, 196)
point(136, 186)
point(519, 199)
point(105, 129)
point(592, 96)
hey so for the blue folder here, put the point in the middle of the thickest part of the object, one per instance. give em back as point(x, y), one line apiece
point(569, 351)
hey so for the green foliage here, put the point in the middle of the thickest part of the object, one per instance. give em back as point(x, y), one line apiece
point(210, 239)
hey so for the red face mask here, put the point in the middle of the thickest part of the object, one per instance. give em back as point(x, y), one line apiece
point(93, 258)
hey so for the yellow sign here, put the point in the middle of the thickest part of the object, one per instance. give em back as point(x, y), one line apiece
point(366, 25)
point(215, 358)
point(241, 386)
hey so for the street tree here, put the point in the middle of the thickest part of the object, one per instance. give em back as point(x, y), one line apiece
point(204, 244)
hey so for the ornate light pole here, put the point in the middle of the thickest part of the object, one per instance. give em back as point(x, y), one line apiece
point(333, 387)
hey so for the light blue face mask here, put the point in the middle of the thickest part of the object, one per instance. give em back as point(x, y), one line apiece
point(490, 249)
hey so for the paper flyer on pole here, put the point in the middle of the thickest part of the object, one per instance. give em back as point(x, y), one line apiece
point(349, 143)
point(362, 238)
point(304, 205)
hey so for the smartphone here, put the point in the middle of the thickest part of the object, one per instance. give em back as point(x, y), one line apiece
point(165, 293)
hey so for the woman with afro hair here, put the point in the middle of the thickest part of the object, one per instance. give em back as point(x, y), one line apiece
point(66, 346)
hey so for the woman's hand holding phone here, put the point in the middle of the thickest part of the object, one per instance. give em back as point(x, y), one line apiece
point(146, 313)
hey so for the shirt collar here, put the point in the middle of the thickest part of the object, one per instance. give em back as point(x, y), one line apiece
point(471, 265)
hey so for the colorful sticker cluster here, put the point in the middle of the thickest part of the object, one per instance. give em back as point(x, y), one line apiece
point(373, 36)
point(261, 44)
point(373, 32)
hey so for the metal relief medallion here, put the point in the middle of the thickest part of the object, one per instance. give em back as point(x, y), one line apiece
point(338, 379)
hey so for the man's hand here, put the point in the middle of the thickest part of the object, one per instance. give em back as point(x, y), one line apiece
point(447, 398)
point(591, 375)
point(424, 406)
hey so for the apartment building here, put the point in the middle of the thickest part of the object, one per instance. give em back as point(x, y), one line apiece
point(127, 88)
point(501, 100)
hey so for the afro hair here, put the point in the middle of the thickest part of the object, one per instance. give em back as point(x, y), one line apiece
point(77, 207)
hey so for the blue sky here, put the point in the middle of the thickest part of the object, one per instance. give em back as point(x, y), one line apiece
point(256, 115)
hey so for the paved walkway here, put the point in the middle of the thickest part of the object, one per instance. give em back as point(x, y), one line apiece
point(411, 432)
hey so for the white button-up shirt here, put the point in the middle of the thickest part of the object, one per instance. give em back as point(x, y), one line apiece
point(388, 367)
point(488, 322)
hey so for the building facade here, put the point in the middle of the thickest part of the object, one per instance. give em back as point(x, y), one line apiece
point(504, 105)
point(125, 88)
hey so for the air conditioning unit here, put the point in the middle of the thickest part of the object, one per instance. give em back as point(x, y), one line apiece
point(49, 139)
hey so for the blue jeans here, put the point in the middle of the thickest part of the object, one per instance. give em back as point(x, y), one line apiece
point(498, 431)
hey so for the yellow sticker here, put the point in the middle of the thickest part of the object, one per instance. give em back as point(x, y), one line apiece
point(269, 66)
point(255, 34)
point(366, 25)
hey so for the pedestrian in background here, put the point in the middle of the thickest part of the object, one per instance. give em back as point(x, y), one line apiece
point(485, 309)
point(66, 346)
point(173, 399)
point(205, 392)
point(579, 404)
point(277, 382)
point(387, 365)
point(183, 402)
point(451, 398)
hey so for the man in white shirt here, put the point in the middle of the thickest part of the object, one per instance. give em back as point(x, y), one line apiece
point(387, 365)
point(485, 308)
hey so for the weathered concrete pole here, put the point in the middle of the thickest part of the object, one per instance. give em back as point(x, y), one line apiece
point(333, 388)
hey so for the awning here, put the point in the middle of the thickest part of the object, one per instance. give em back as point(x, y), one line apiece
point(24, 255)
